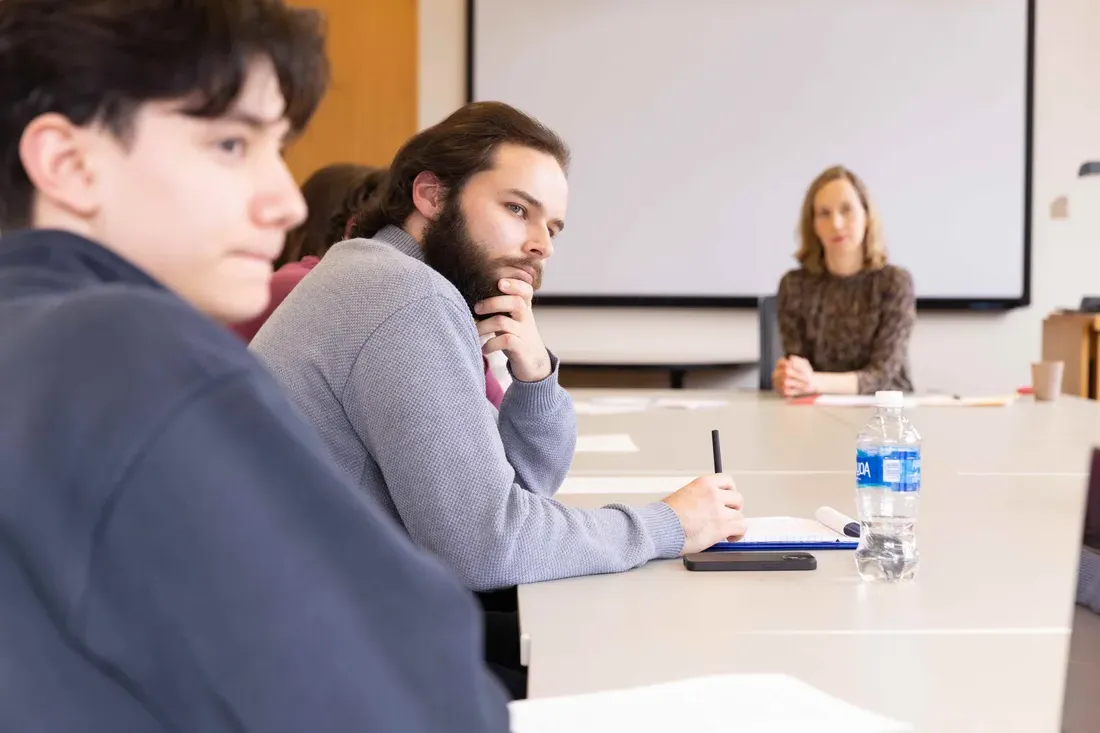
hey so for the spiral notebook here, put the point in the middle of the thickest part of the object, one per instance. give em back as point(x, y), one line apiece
point(824, 532)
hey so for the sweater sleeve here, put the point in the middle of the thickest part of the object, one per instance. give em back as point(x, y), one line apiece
point(538, 429)
point(792, 321)
point(238, 581)
point(415, 397)
point(891, 338)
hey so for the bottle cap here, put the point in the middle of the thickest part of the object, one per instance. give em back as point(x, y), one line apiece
point(889, 398)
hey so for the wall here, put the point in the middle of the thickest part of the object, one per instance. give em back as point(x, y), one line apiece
point(975, 353)
point(371, 105)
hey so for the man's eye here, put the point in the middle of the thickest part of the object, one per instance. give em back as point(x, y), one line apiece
point(233, 146)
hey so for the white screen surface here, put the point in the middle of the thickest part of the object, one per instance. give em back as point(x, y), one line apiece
point(697, 125)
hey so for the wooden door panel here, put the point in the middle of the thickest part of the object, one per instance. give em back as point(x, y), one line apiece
point(371, 106)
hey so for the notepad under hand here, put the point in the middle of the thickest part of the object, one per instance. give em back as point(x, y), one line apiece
point(793, 533)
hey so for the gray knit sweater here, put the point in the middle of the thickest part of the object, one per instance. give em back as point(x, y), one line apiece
point(382, 355)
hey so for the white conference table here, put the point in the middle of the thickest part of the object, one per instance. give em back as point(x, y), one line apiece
point(977, 642)
point(1028, 437)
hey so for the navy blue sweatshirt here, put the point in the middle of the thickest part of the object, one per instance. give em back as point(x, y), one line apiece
point(177, 551)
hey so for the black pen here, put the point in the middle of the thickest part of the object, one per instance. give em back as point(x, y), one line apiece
point(716, 446)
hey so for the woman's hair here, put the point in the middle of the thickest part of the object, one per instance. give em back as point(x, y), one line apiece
point(811, 252)
point(332, 194)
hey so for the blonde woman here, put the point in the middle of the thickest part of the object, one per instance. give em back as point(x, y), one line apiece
point(845, 315)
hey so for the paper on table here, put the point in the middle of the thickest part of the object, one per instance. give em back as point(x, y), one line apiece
point(624, 484)
point(596, 408)
point(789, 529)
point(612, 405)
point(614, 443)
point(624, 400)
point(687, 403)
point(625, 405)
point(837, 400)
point(753, 703)
point(928, 400)
point(951, 401)
point(655, 484)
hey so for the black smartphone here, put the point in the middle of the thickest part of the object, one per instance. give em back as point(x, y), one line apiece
point(750, 561)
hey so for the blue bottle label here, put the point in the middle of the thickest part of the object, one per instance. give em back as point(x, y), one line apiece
point(888, 467)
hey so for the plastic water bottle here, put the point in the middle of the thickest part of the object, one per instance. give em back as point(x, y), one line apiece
point(888, 453)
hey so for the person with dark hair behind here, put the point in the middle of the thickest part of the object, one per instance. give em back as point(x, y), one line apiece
point(177, 550)
point(332, 195)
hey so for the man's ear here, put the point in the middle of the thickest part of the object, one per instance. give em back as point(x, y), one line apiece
point(54, 154)
point(428, 195)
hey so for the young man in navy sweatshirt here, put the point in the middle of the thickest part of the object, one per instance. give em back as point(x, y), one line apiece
point(177, 552)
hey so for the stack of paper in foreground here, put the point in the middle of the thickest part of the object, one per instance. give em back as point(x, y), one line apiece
point(765, 703)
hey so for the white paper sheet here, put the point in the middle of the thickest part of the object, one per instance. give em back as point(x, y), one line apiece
point(927, 400)
point(654, 484)
point(612, 443)
point(687, 403)
point(847, 400)
point(764, 703)
point(964, 401)
point(624, 484)
point(598, 408)
point(789, 529)
point(626, 405)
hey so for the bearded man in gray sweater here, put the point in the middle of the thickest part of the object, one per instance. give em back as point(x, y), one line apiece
point(382, 345)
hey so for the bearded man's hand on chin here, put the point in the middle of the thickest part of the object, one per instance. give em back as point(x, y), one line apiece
point(513, 330)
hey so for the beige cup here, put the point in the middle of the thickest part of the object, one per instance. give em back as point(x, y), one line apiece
point(1046, 380)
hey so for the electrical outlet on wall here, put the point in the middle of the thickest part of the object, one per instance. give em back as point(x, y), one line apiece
point(1059, 208)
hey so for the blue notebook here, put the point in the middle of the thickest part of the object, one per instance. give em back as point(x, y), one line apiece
point(787, 533)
